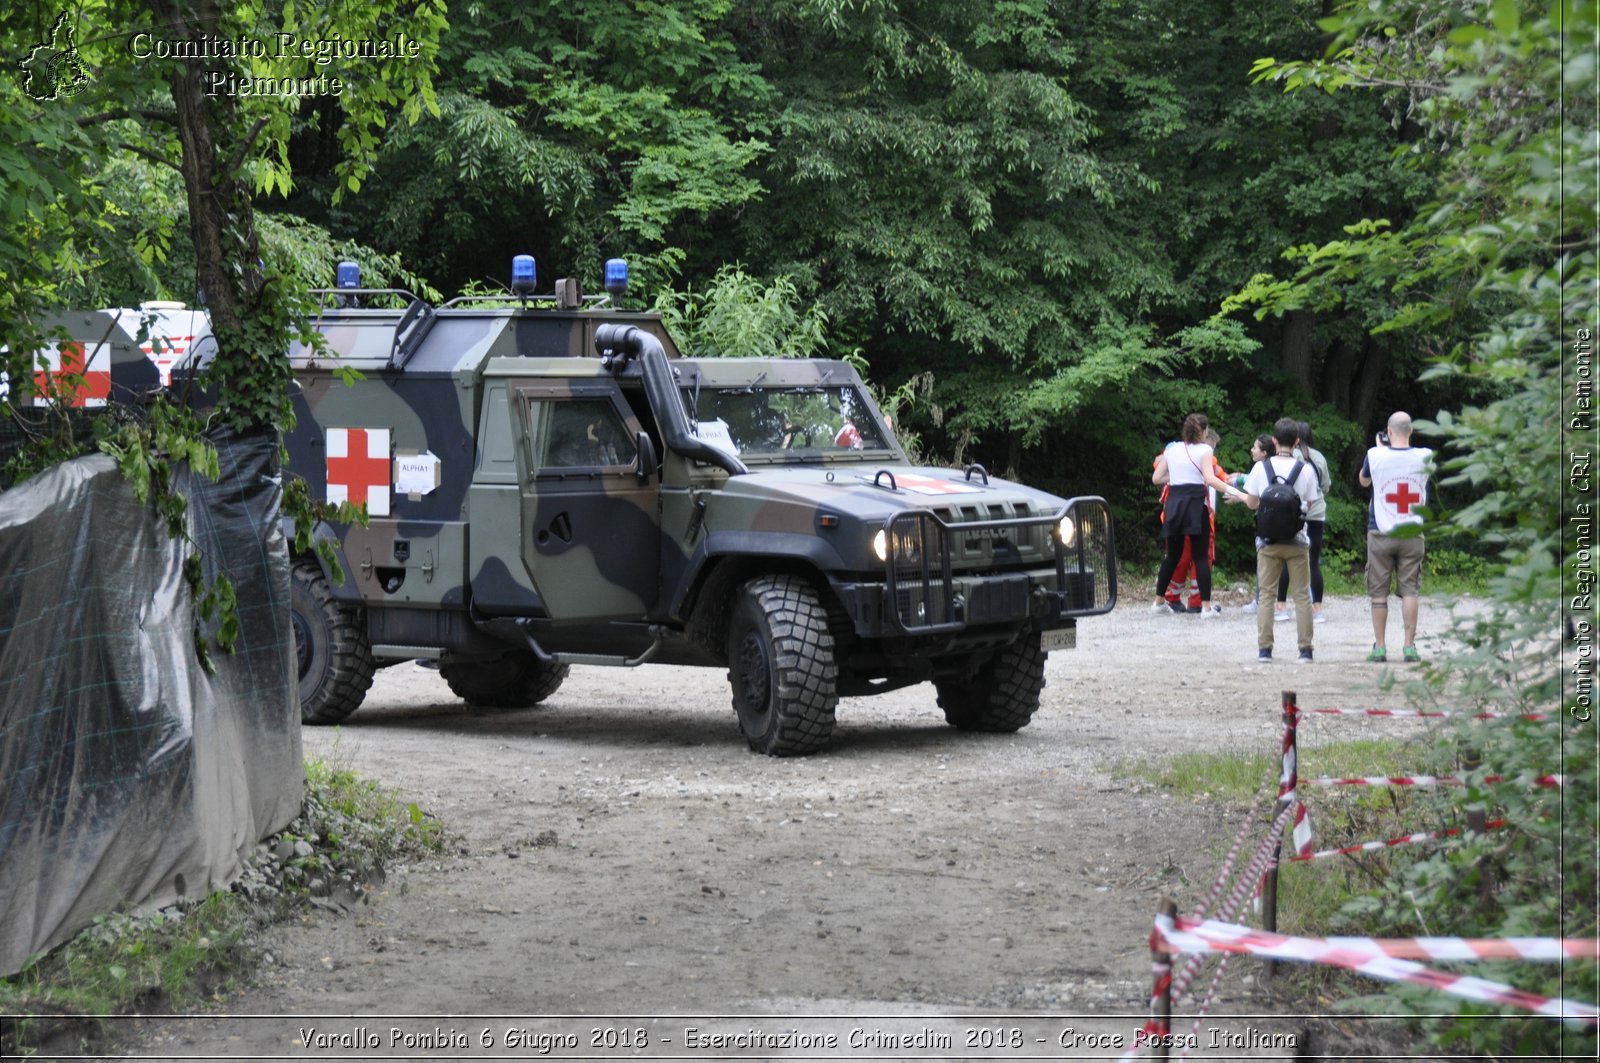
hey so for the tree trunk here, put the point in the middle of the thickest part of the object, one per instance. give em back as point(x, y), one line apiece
point(221, 217)
point(1338, 375)
point(1373, 375)
point(1295, 358)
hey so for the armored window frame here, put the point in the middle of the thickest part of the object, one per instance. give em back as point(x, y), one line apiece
point(577, 431)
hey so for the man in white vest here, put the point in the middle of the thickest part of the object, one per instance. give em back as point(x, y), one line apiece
point(1397, 472)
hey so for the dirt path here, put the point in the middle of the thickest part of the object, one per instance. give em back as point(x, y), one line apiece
point(623, 854)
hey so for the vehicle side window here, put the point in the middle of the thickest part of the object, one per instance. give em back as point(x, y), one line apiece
point(579, 434)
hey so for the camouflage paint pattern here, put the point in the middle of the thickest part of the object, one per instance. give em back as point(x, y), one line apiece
point(508, 484)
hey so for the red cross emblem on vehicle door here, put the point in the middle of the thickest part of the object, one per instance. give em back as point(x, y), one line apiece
point(360, 468)
point(1402, 498)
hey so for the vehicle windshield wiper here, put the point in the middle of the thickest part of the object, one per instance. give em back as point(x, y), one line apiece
point(750, 388)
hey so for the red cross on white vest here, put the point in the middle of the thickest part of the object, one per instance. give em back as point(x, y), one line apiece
point(360, 468)
point(1402, 498)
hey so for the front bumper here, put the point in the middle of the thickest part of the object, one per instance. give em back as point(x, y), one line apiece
point(934, 581)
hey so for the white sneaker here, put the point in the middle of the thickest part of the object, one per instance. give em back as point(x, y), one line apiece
point(1282, 616)
point(1212, 613)
point(1318, 618)
point(1249, 608)
point(1160, 607)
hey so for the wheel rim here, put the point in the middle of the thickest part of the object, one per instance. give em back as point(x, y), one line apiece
point(755, 673)
point(302, 643)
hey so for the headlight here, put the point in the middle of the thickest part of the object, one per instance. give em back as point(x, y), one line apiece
point(1067, 530)
point(880, 545)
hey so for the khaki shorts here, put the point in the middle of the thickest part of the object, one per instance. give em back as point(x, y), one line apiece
point(1398, 559)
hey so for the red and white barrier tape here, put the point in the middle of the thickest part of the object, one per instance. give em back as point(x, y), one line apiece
point(1536, 950)
point(1288, 781)
point(1242, 889)
point(1225, 873)
point(1376, 959)
point(1548, 782)
point(1535, 717)
point(1410, 839)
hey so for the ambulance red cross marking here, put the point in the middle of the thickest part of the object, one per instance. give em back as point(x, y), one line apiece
point(358, 471)
point(91, 389)
point(1402, 498)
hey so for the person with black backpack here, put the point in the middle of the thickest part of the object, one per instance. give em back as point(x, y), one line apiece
point(1281, 489)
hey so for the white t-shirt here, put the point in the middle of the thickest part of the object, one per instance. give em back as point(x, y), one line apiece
point(1184, 462)
point(1305, 485)
point(1399, 482)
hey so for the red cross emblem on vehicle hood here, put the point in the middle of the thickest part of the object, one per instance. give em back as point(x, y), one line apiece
point(360, 468)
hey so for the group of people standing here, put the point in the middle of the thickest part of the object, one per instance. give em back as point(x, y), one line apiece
point(1287, 487)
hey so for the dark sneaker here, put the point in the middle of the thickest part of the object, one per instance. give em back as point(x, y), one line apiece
point(1264, 654)
point(1305, 656)
point(1176, 607)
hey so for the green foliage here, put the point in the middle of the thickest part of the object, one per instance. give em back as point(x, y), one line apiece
point(181, 957)
point(348, 831)
point(84, 157)
point(575, 134)
point(1501, 266)
point(1237, 777)
point(739, 316)
point(1534, 878)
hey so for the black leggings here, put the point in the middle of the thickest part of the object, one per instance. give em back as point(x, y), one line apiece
point(1314, 533)
point(1200, 547)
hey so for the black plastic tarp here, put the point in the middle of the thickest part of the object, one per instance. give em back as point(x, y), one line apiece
point(130, 778)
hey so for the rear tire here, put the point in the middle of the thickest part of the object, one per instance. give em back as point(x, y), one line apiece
point(519, 680)
point(332, 656)
point(1004, 694)
point(781, 667)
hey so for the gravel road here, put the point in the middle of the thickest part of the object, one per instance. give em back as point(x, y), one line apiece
point(624, 855)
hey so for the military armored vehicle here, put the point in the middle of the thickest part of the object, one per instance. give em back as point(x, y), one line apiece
point(549, 483)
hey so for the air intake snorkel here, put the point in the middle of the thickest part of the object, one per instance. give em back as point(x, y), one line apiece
point(616, 344)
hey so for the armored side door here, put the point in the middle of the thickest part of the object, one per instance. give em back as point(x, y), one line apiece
point(590, 520)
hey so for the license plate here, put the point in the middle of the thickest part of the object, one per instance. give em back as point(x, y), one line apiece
point(1061, 638)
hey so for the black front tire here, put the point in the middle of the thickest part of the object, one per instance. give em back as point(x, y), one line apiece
point(1002, 696)
point(332, 656)
point(781, 667)
point(518, 680)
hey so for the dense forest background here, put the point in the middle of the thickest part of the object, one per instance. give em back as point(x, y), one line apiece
point(1049, 229)
point(1025, 216)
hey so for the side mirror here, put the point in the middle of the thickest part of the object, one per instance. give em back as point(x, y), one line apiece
point(647, 458)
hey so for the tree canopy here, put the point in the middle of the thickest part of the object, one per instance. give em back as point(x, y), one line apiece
point(1034, 210)
point(1051, 230)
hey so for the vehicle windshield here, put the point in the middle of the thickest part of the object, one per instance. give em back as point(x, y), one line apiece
point(778, 422)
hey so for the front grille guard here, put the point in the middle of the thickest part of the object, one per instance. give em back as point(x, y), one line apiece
point(921, 581)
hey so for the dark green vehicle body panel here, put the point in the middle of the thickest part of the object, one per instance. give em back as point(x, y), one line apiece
point(536, 499)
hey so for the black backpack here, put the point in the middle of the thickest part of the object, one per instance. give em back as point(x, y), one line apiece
point(1280, 517)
